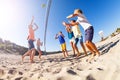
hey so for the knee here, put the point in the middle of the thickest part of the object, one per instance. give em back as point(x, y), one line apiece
point(87, 42)
point(75, 45)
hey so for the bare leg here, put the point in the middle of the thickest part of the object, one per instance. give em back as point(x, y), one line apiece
point(76, 48)
point(91, 50)
point(83, 47)
point(72, 45)
point(64, 53)
point(40, 53)
point(93, 47)
point(27, 53)
point(32, 55)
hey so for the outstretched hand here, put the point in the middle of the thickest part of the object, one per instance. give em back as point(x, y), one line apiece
point(70, 16)
point(56, 36)
point(32, 20)
point(64, 23)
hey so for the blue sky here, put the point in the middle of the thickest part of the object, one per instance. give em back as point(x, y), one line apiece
point(15, 16)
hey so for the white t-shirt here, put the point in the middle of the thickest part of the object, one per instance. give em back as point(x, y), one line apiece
point(76, 31)
point(83, 21)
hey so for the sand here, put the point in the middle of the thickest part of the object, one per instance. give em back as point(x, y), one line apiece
point(55, 67)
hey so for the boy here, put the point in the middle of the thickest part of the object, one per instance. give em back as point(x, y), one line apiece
point(39, 43)
point(60, 36)
point(89, 31)
point(71, 38)
point(78, 35)
point(31, 40)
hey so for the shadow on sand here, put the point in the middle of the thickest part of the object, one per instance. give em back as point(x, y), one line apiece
point(106, 47)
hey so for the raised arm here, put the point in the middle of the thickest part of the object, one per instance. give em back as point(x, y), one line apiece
point(56, 36)
point(36, 27)
point(32, 20)
point(62, 35)
point(28, 37)
point(71, 16)
point(66, 24)
point(69, 24)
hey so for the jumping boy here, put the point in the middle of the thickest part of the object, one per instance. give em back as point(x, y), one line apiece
point(39, 43)
point(89, 31)
point(31, 39)
point(60, 36)
point(71, 38)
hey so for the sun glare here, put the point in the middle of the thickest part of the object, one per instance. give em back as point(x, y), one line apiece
point(8, 18)
point(7, 11)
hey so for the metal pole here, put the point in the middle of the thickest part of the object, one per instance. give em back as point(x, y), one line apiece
point(46, 22)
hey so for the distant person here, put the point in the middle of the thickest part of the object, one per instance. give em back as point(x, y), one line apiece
point(78, 35)
point(60, 36)
point(89, 32)
point(71, 38)
point(39, 43)
point(31, 39)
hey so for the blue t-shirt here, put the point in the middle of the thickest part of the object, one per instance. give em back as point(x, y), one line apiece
point(70, 35)
point(61, 39)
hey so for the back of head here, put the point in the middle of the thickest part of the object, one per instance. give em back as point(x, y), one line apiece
point(78, 11)
point(60, 32)
point(72, 21)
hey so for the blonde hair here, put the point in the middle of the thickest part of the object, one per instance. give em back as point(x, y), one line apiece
point(77, 11)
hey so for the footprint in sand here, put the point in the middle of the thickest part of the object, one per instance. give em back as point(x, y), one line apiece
point(12, 72)
point(90, 77)
point(71, 72)
point(100, 69)
point(19, 78)
point(20, 73)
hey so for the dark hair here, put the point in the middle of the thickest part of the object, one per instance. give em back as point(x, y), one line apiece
point(80, 11)
point(60, 31)
point(73, 20)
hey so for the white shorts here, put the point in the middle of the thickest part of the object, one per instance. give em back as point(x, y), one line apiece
point(72, 40)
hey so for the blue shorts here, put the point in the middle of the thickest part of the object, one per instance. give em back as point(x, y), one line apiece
point(31, 44)
point(89, 34)
point(77, 39)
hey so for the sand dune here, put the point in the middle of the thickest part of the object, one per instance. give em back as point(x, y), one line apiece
point(55, 67)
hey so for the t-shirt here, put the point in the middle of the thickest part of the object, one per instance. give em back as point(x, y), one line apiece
point(70, 35)
point(83, 21)
point(61, 39)
point(76, 31)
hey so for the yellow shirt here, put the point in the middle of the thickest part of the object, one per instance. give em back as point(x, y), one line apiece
point(76, 31)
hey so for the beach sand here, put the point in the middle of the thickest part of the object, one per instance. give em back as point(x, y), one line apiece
point(55, 67)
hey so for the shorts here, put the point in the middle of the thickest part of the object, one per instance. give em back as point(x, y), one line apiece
point(31, 44)
point(72, 40)
point(89, 34)
point(77, 39)
point(63, 46)
point(38, 48)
